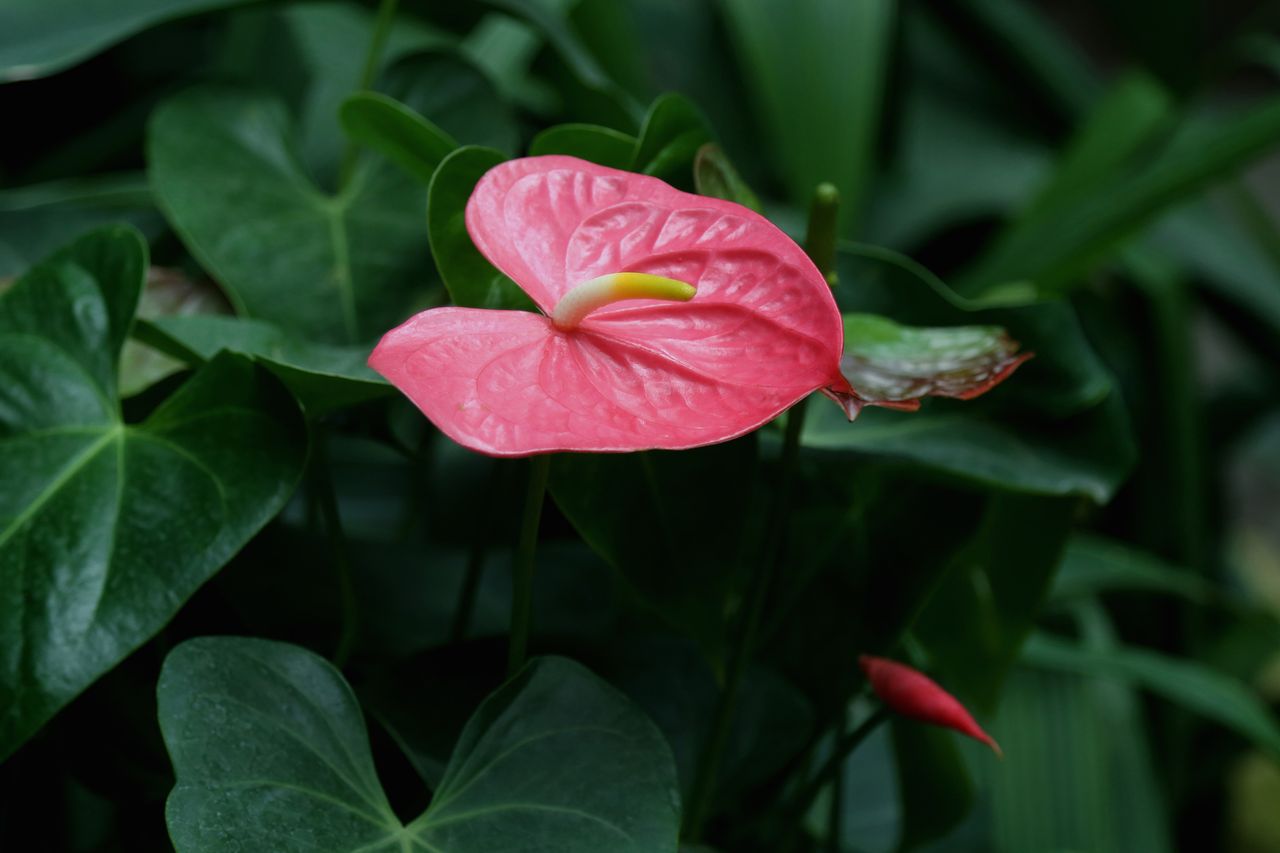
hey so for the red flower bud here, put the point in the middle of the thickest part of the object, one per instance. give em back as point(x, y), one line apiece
point(913, 694)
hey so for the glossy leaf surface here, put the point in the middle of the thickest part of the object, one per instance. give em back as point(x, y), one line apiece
point(271, 752)
point(472, 281)
point(108, 527)
point(332, 268)
point(323, 377)
point(397, 132)
point(35, 39)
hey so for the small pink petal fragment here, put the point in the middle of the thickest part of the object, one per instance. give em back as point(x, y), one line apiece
point(913, 694)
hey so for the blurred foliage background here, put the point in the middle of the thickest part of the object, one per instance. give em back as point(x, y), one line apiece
point(1089, 556)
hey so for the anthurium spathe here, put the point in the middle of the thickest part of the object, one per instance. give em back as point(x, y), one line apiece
point(669, 320)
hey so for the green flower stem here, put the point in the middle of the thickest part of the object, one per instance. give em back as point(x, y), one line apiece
point(522, 568)
point(820, 240)
point(762, 580)
point(820, 244)
point(340, 553)
point(830, 770)
point(372, 59)
point(475, 561)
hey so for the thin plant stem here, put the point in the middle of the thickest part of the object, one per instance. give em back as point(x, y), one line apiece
point(820, 243)
point(522, 568)
point(475, 562)
point(835, 809)
point(339, 551)
point(372, 59)
point(832, 767)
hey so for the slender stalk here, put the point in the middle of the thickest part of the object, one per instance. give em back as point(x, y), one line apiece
point(372, 59)
point(522, 568)
point(820, 243)
point(831, 769)
point(475, 562)
point(835, 809)
point(340, 553)
point(820, 240)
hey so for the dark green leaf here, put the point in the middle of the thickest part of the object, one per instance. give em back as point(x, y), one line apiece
point(1193, 685)
point(559, 33)
point(977, 619)
point(396, 132)
point(1066, 375)
point(601, 145)
point(472, 281)
point(271, 753)
point(885, 362)
point(1055, 250)
point(817, 69)
point(313, 55)
point(953, 167)
point(677, 687)
point(167, 293)
point(1130, 117)
point(39, 37)
point(456, 96)
point(334, 268)
point(1227, 262)
point(1038, 50)
point(323, 377)
point(36, 220)
point(1087, 454)
point(715, 176)
point(673, 523)
point(673, 131)
point(1104, 795)
point(1094, 565)
point(933, 782)
point(109, 527)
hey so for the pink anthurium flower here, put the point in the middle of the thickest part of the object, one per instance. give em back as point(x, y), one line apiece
point(669, 320)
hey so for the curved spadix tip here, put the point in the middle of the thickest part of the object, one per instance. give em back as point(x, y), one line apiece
point(616, 287)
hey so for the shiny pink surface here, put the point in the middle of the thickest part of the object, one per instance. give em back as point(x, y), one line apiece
point(762, 331)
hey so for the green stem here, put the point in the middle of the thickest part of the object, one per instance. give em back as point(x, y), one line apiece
point(339, 552)
point(475, 561)
point(759, 586)
point(372, 59)
point(820, 240)
point(832, 768)
point(522, 568)
point(820, 243)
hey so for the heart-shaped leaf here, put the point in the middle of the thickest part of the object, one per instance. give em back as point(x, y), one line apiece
point(323, 377)
point(106, 528)
point(676, 525)
point(270, 751)
point(38, 220)
point(603, 146)
point(890, 364)
point(673, 131)
point(714, 175)
point(472, 281)
point(1088, 454)
point(333, 268)
point(399, 133)
point(39, 37)
point(456, 96)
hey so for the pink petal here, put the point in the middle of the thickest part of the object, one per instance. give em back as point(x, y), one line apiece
point(762, 331)
point(553, 222)
point(507, 383)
